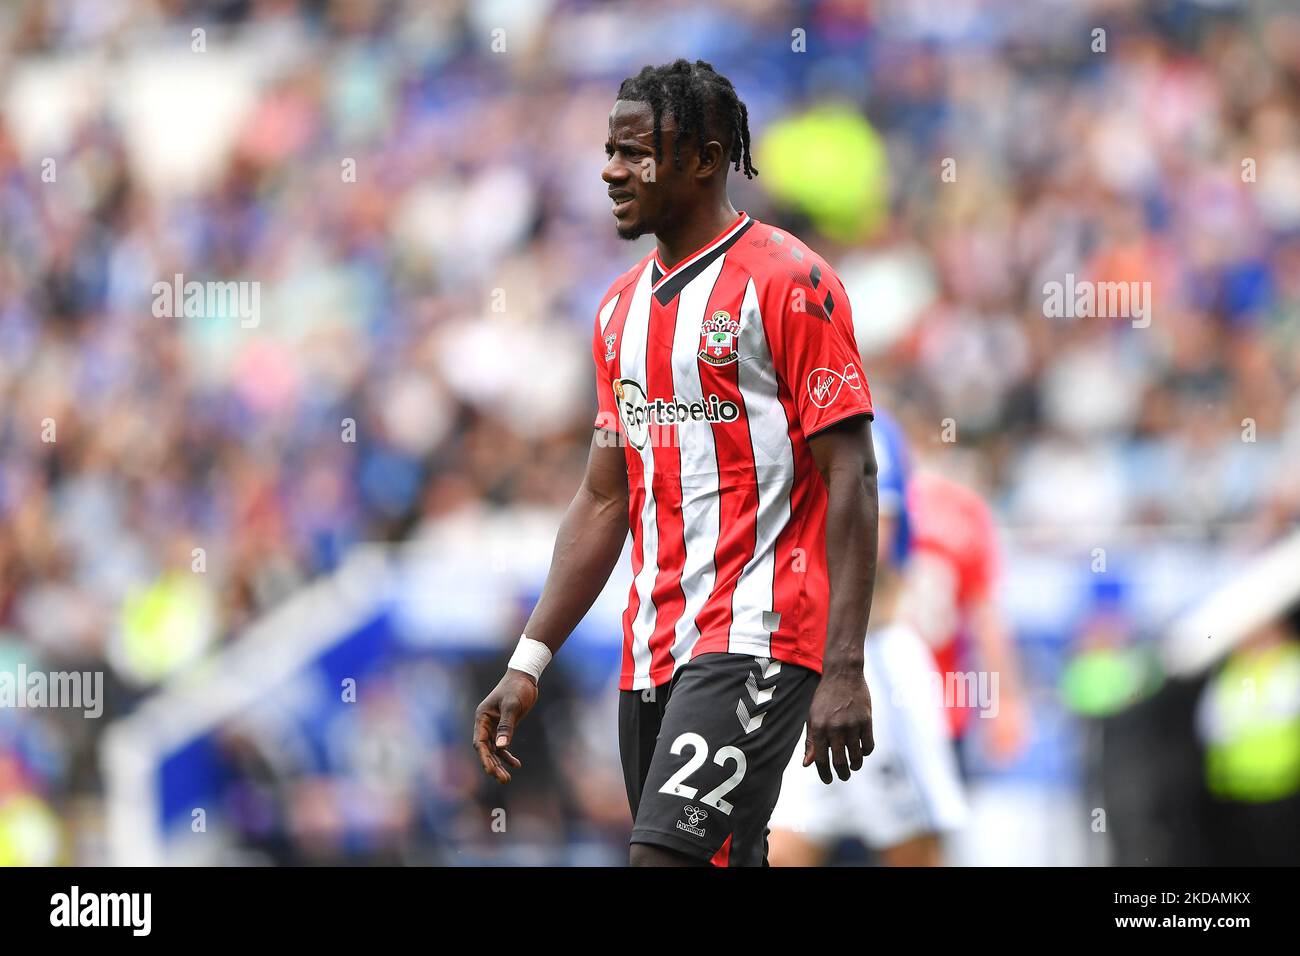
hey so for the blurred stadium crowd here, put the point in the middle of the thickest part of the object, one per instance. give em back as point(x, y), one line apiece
point(415, 187)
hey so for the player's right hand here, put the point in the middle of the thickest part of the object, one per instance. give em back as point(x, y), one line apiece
point(497, 717)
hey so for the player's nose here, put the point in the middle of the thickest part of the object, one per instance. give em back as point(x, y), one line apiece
point(614, 173)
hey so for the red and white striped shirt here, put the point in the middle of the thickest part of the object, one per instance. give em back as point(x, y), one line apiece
point(713, 374)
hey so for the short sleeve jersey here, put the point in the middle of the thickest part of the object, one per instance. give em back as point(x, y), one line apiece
point(714, 374)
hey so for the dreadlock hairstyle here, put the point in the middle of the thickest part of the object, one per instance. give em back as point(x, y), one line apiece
point(702, 101)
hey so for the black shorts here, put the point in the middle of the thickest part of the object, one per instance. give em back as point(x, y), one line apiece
point(703, 755)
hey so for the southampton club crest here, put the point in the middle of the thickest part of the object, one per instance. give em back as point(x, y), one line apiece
point(718, 339)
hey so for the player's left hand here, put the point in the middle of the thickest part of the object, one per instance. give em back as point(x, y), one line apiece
point(839, 725)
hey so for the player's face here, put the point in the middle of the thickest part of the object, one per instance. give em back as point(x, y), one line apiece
point(645, 193)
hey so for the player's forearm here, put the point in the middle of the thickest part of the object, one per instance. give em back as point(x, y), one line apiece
point(993, 644)
point(587, 547)
point(851, 531)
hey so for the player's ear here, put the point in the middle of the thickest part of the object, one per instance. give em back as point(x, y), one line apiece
point(710, 159)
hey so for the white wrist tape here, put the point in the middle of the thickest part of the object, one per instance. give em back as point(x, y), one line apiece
point(531, 657)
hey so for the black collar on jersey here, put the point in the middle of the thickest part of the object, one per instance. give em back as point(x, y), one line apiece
point(679, 280)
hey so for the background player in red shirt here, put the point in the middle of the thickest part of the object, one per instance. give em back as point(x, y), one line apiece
point(734, 440)
point(951, 601)
point(908, 797)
